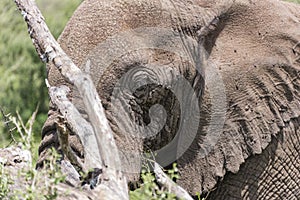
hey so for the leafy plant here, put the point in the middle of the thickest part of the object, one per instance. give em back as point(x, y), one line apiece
point(38, 184)
point(149, 189)
point(5, 181)
point(42, 184)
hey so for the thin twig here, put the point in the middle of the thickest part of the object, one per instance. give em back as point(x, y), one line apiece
point(31, 121)
point(6, 121)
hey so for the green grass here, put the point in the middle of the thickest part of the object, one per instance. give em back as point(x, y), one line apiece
point(42, 184)
point(35, 184)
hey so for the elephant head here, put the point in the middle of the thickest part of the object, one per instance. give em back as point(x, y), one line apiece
point(213, 85)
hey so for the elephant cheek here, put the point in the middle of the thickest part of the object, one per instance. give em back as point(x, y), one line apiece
point(146, 100)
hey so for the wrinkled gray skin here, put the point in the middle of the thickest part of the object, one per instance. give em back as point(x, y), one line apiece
point(243, 64)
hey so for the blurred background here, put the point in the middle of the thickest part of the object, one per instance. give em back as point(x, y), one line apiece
point(22, 74)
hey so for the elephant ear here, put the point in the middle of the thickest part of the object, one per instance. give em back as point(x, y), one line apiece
point(255, 49)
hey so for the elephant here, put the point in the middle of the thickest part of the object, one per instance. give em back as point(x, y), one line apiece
point(212, 85)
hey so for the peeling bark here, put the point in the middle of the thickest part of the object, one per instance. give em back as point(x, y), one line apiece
point(78, 125)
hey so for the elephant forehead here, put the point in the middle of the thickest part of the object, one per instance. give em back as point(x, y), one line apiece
point(122, 45)
point(95, 21)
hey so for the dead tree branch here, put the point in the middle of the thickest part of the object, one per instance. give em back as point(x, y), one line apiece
point(114, 182)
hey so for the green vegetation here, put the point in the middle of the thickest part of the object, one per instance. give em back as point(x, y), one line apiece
point(42, 184)
point(295, 1)
point(149, 189)
point(5, 182)
point(22, 74)
point(37, 184)
point(24, 134)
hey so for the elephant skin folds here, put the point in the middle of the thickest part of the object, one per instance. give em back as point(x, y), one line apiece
point(254, 46)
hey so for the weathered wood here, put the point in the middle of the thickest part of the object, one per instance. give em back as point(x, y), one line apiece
point(50, 51)
point(17, 162)
point(78, 125)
